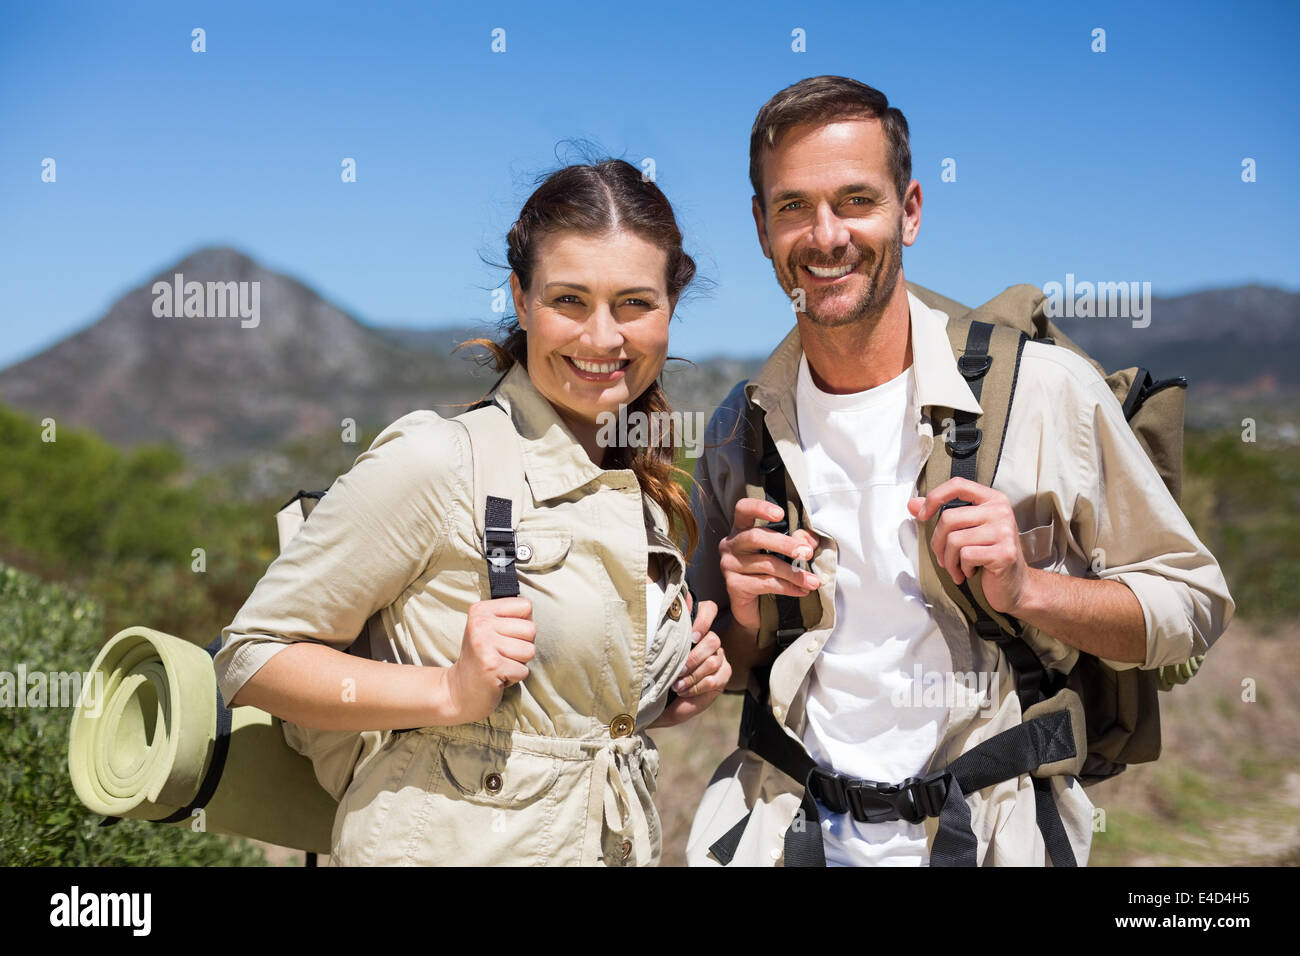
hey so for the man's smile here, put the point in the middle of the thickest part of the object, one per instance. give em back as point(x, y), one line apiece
point(826, 275)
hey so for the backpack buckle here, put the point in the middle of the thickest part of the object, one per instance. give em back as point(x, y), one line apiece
point(499, 546)
point(966, 438)
point(912, 800)
point(927, 794)
point(832, 788)
point(974, 366)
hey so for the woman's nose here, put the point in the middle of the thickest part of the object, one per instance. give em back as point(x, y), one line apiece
point(602, 332)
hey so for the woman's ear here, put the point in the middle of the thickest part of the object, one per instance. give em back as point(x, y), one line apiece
point(521, 309)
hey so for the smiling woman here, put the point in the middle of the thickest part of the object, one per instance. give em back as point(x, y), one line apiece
point(513, 726)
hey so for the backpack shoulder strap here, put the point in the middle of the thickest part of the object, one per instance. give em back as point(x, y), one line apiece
point(782, 617)
point(988, 357)
point(499, 492)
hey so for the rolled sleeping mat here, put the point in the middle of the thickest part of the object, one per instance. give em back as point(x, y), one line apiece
point(150, 741)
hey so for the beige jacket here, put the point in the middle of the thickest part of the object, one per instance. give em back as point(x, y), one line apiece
point(1078, 482)
point(562, 772)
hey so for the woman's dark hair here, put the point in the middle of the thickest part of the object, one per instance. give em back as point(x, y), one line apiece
point(594, 200)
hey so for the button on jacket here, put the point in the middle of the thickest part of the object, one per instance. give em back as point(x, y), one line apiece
point(562, 772)
point(1080, 487)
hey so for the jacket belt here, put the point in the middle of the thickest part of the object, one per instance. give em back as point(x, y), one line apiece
point(613, 800)
point(942, 793)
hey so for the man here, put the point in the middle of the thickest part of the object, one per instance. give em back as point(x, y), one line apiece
point(847, 400)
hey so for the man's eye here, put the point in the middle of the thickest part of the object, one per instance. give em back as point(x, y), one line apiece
point(860, 200)
point(791, 204)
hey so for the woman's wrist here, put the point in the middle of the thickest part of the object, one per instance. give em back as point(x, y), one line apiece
point(442, 710)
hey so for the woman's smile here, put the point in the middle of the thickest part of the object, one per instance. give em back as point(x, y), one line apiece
point(603, 371)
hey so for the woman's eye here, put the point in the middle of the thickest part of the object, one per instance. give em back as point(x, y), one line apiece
point(566, 299)
point(637, 302)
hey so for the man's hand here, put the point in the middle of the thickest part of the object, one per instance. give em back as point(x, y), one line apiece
point(749, 572)
point(1101, 617)
point(982, 534)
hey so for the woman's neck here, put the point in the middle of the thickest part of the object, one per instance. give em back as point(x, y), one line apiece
point(587, 435)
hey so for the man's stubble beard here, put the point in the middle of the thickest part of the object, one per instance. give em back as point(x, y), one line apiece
point(871, 305)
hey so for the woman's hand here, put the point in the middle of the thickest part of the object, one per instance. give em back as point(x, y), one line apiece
point(494, 653)
point(705, 675)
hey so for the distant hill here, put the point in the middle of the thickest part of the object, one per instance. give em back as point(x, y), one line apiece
point(223, 389)
point(1244, 340)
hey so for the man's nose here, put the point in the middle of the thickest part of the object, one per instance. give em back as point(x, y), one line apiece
point(602, 333)
point(829, 231)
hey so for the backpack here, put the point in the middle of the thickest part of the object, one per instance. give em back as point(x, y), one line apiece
point(1121, 708)
point(498, 475)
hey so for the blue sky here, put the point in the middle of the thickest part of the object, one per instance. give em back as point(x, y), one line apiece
point(1122, 165)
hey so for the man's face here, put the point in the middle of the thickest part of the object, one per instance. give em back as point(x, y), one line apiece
point(831, 221)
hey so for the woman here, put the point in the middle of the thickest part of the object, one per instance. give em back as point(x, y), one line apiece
point(530, 711)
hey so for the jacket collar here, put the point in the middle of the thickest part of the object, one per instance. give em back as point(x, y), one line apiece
point(555, 464)
point(938, 383)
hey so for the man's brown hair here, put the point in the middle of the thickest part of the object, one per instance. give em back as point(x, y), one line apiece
point(824, 99)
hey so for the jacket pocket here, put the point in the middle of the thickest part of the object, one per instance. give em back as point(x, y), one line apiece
point(541, 550)
point(499, 778)
point(1037, 545)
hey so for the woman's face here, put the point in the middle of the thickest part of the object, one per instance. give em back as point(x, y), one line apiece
point(597, 321)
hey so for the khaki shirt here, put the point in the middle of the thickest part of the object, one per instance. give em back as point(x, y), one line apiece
point(1081, 488)
point(562, 771)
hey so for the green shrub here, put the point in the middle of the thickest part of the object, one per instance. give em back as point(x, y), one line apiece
point(48, 627)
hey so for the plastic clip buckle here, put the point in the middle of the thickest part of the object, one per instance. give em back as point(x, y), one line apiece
point(832, 788)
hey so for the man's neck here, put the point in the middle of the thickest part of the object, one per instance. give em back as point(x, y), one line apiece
point(863, 355)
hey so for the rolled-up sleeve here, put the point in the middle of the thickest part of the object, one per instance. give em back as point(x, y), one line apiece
point(1126, 520)
point(373, 533)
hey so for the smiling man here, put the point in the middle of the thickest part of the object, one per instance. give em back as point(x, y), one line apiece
point(847, 757)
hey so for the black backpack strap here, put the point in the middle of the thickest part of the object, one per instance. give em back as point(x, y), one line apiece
point(776, 489)
point(975, 453)
point(499, 491)
point(499, 546)
point(1024, 748)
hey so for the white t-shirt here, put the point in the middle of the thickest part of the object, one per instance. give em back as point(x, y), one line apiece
point(655, 592)
point(864, 711)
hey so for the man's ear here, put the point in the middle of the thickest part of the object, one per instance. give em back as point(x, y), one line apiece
point(517, 293)
point(911, 212)
point(760, 224)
